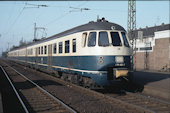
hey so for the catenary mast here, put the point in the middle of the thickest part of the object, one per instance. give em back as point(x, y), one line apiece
point(131, 26)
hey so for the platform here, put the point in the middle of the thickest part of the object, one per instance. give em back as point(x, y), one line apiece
point(154, 83)
point(1, 108)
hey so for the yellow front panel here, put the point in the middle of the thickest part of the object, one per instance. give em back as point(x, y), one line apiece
point(120, 73)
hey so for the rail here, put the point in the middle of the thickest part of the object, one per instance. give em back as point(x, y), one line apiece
point(13, 87)
point(47, 93)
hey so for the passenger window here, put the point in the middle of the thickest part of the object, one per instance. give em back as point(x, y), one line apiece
point(55, 48)
point(125, 39)
point(103, 39)
point(45, 49)
point(67, 46)
point(60, 47)
point(92, 39)
point(31, 51)
point(74, 45)
point(41, 49)
point(84, 39)
point(115, 39)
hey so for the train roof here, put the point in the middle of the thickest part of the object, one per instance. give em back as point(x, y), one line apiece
point(100, 24)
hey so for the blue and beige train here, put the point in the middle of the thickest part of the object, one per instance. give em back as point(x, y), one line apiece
point(96, 53)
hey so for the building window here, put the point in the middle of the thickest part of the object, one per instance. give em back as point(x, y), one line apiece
point(60, 47)
point(125, 39)
point(84, 35)
point(74, 45)
point(135, 49)
point(103, 39)
point(41, 49)
point(67, 46)
point(55, 48)
point(115, 39)
point(45, 49)
point(92, 39)
point(145, 48)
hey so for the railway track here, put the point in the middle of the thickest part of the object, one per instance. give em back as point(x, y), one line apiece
point(131, 103)
point(32, 97)
point(153, 105)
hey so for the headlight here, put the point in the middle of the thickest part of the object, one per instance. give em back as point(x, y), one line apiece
point(119, 59)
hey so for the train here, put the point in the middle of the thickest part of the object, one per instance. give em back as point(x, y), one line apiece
point(94, 54)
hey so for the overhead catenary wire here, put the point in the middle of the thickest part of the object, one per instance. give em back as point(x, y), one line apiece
point(78, 8)
point(16, 19)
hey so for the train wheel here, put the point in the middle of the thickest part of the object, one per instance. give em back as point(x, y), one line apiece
point(59, 74)
point(88, 83)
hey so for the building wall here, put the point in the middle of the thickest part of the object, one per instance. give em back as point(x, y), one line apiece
point(158, 58)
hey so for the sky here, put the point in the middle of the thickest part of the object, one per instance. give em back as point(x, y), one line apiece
point(18, 17)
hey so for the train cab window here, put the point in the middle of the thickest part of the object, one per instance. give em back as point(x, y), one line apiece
point(125, 39)
point(103, 39)
point(84, 36)
point(92, 39)
point(74, 45)
point(60, 47)
point(115, 39)
point(45, 49)
point(67, 46)
point(41, 49)
point(54, 48)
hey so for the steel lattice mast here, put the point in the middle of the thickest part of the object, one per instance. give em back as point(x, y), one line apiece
point(131, 26)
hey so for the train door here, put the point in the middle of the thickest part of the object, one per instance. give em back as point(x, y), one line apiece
point(26, 57)
point(49, 58)
point(36, 58)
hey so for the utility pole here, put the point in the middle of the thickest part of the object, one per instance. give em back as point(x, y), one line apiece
point(1, 51)
point(8, 47)
point(131, 26)
point(35, 31)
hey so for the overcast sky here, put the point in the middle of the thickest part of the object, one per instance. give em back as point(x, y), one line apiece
point(17, 18)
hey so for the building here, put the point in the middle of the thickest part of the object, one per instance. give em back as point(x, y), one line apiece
point(153, 48)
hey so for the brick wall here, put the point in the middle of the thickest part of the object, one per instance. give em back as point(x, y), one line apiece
point(157, 59)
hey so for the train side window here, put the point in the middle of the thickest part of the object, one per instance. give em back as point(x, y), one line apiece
point(92, 39)
point(60, 47)
point(84, 36)
point(74, 45)
point(67, 46)
point(115, 39)
point(54, 48)
point(103, 39)
point(125, 39)
point(31, 51)
point(41, 49)
point(45, 49)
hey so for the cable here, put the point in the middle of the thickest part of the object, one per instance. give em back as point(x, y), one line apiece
point(57, 18)
point(15, 20)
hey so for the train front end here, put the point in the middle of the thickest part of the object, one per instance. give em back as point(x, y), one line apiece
point(113, 57)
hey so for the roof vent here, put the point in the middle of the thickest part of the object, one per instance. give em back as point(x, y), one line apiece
point(102, 20)
point(91, 22)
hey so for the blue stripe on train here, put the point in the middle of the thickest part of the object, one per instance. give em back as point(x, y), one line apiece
point(87, 63)
point(80, 62)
